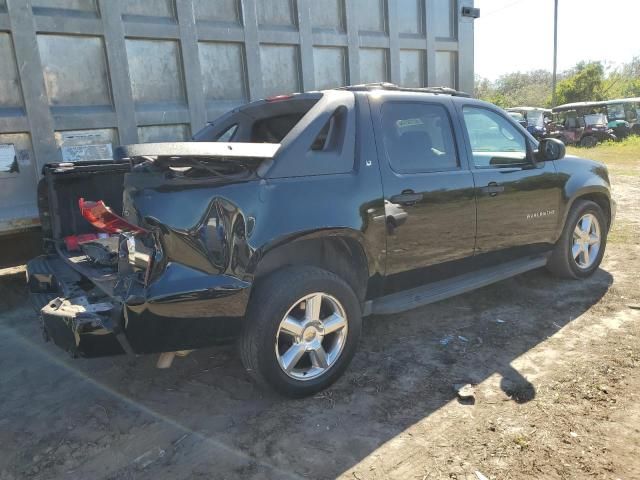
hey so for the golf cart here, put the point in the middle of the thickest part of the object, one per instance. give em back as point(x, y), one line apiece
point(584, 124)
point(624, 116)
point(518, 117)
point(536, 119)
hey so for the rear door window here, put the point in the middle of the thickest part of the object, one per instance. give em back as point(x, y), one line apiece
point(418, 137)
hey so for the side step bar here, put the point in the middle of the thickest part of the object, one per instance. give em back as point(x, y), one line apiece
point(434, 292)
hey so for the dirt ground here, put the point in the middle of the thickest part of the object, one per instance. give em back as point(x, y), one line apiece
point(555, 366)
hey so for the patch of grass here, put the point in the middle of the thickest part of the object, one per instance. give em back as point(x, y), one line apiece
point(522, 442)
point(625, 153)
point(621, 233)
point(629, 172)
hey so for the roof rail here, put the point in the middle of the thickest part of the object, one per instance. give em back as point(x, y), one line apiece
point(394, 87)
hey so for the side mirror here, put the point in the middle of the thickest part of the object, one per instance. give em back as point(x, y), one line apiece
point(550, 149)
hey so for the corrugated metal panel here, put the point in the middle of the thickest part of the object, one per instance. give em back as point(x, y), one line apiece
point(411, 17)
point(95, 73)
point(78, 6)
point(223, 72)
point(412, 69)
point(374, 66)
point(10, 92)
point(223, 11)
point(371, 15)
point(328, 15)
point(77, 79)
point(280, 69)
point(330, 67)
point(276, 13)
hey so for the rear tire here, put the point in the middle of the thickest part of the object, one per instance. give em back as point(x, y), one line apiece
point(588, 141)
point(579, 250)
point(301, 330)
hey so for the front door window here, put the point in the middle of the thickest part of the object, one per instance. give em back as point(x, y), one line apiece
point(494, 140)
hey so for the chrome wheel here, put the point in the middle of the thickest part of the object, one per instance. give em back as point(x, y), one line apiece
point(586, 241)
point(311, 336)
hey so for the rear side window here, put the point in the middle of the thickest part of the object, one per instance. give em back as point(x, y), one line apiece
point(274, 129)
point(331, 137)
point(418, 137)
point(228, 134)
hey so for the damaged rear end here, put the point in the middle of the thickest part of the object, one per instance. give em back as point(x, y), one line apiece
point(147, 253)
point(76, 313)
point(152, 252)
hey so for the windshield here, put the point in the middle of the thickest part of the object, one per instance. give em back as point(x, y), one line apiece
point(517, 116)
point(595, 119)
point(615, 112)
point(535, 118)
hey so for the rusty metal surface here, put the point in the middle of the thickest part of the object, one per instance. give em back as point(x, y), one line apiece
point(106, 72)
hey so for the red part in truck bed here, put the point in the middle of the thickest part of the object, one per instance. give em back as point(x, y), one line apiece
point(103, 218)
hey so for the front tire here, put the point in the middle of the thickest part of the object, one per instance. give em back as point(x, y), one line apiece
point(581, 246)
point(301, 330)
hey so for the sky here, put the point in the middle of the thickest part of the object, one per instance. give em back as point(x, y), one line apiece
point(517, 35)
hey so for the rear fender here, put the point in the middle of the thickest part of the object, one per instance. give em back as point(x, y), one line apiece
point(341, 250)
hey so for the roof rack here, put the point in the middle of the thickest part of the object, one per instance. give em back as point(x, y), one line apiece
point(394, 87)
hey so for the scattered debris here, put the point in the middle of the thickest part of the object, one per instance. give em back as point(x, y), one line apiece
point(480, 476)
point(573, 434)
point(446, 340)
point(465, 391)
point(175, 443)
point(150, 456)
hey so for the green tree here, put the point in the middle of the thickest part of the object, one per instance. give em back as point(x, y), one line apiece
point(516, 89)
point(631, 75)
point(528, 89)
point(485, 90)
point(584, 83)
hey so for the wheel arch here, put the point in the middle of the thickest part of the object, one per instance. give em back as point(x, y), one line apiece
point(603, 201)
point(597, 194)
point(340, 251)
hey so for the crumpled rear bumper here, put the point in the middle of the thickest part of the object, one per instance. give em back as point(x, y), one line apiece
point(183, 309)
point(81, 328)
point(71, 318)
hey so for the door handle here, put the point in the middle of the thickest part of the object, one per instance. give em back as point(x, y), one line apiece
point(407, 197)
point(493, 189)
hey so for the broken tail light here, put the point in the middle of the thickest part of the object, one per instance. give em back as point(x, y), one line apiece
point(104, 219)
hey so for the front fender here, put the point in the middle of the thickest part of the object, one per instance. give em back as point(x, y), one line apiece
point(582, 182)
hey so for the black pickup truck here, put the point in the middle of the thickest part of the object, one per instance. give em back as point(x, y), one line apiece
point(289, 219)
